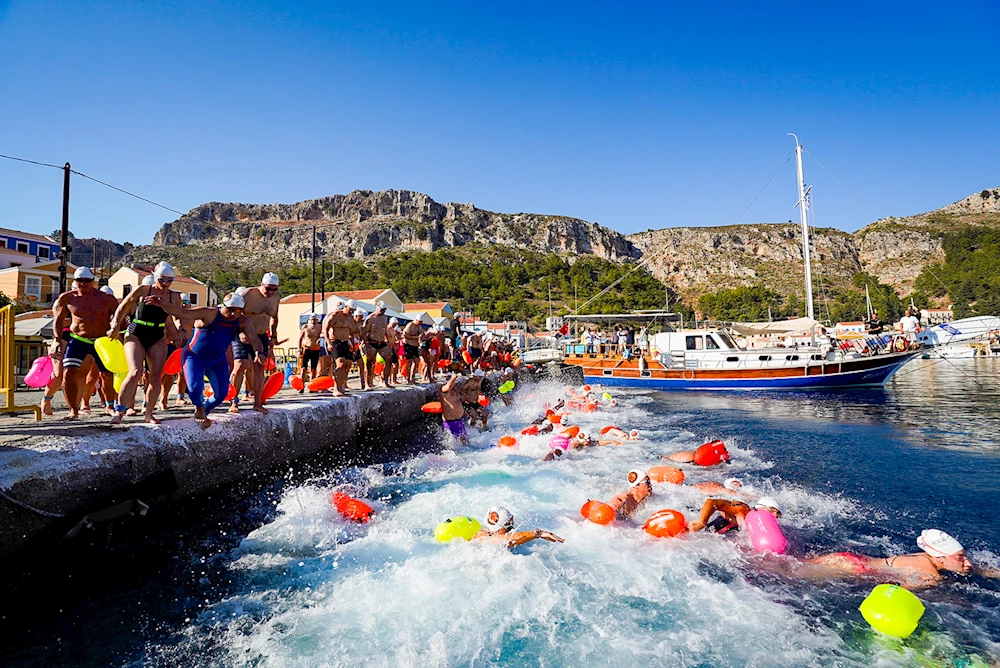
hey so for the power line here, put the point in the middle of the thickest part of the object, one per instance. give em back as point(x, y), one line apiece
point(33, 162)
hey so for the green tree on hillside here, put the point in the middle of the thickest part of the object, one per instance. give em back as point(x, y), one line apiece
point(970, 274)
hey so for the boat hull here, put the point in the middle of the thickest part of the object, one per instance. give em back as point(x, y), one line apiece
point(861, 372)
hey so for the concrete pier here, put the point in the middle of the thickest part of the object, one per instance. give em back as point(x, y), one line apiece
point(54, 474)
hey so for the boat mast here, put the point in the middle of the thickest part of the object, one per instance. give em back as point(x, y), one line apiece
point(868, 302)
point(803, 205)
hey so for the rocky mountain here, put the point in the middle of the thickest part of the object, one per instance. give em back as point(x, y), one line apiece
point(364, 224)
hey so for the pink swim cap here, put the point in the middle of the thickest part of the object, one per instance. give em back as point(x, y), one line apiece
point(558, 441)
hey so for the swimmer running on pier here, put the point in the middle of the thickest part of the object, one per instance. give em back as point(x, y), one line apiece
point(215, 330)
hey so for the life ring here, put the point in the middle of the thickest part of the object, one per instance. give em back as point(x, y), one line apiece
point(899, 345)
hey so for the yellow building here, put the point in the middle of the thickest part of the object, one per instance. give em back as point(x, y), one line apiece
point(127, 279)
point(37, 284)
point(433, 309)
point(293, 310)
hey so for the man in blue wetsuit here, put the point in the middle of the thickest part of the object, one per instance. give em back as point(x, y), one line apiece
point(215, 329)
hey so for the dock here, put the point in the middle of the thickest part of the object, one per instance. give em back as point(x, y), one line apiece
point(57, 474)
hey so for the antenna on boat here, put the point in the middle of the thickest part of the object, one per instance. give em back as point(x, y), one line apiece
point(803, 204)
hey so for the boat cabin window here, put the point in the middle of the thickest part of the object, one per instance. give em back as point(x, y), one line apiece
point(764, 358)
point(710, 343)
point(695, 343)
point(726, 339)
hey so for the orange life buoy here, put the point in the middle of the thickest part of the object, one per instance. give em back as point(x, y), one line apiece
point(665, 523)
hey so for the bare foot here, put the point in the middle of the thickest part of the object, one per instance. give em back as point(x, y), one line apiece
point(130, 412)
point(46, 407)
point(116, 418)
point(85, 410)
point(205, 423)
point(109, 410)
point(234, 408)
point(151, 419)
point(261, 409)
point(338, 393)
point(72, 416)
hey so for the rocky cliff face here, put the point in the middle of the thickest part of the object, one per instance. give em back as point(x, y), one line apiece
point(364, 224)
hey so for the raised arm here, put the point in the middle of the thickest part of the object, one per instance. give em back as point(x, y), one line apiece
point(205, 313)
point(522, 537)
point(450, 384)
point(710, 506)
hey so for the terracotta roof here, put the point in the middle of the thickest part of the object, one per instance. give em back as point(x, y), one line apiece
point(849, 323)
point(178, 276)
point(361, 294)
point(938, 310)
point(301, 298)
point(28, 235)
point(418, 306)
point(11, 251)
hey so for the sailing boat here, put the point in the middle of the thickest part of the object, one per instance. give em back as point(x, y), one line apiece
point(712, 359)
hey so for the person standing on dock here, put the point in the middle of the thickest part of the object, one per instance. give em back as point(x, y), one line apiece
point(262, 310)
point(90, 311)
point(309, 337)
point(909, 326)
point(340, 329)
point(145, 341)
point(412, 335)
point(215, 329)
point(376, 343)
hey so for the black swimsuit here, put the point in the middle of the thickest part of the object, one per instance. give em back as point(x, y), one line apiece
point(149, 322)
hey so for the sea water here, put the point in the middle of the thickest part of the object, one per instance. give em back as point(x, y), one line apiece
point(863, 471)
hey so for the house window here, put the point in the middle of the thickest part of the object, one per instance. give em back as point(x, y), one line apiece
point(22, 247)
point(125, 290)
point(15, 264)
point(194, 298)
point(43, 252)
point(33, 287)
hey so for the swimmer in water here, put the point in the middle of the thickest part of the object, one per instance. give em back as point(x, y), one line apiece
point(731, 514)
point(941, 554)
point(731, 486)
point(499, 529)
point(452, 411)
point(640, 488)
point(616, 436)
point(581, 440)
point(554, 454)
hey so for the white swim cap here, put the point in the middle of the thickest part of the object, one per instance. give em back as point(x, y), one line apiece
point(233, 301)
point(74, 285)
point(351, 304)
point(499, 518)
point(937, 543)
point(393, 321)
point(637, 477)
point(361, 312)
point(479, 373)
point(242, 292)
point(108, 290)
point(634, 434)
point(148, 280)
point(557, 452)
point(508, 370)
point(767, 502)
point(380, 305)
point(269, 279)
point(582, 436)
point(732, 484)
point(83, 272)
point(163, 270)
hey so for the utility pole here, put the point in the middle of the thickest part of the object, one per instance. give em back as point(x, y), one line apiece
point(312, 308)
point(64, 248)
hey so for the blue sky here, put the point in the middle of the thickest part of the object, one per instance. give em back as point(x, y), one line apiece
point(636, 116)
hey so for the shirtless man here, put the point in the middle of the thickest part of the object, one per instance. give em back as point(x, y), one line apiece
point(357, 346)
point(376, 343)
point(262, 310)
point(471, 390)
point(499, 529)
point(732, 514)
point(452, 412)
point(412, 335)
point(339, 329)
point(91, 311)
point(941, 554)
point(309, 337)
point(428, 344)
point(392, 335)
point(639, 489)
point(475, 349)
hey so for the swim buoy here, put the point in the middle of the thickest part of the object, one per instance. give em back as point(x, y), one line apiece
point(40, 372)
point(272, 386)
point(571, 432)
point(590, 407)
point(586, 388)
point(665, 523)
point(378, 368)
point(467, 356)
point(321, 383)
point(270, 365)
point(117, 381)
point(530, 431)
point(483, 401)
point(350, 508)
point(443, 363)
point(432, 407)
point(892, 610)
point(711, 454)
point(457, 527)
point(112, 355)
point(598, 512)
point(607, 397)
point(172, 366)
point(554, 418)
point(507, 442)
point(558, 441)
point(666, 474)
point(764, 532)
point(506, 387)
point(574, 405)
point(605, 430)
point(296, 383)
point(231, 394)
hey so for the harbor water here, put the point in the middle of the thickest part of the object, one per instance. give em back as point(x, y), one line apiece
point(276, 578)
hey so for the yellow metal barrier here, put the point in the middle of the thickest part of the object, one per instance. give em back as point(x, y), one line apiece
point(7, 365)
